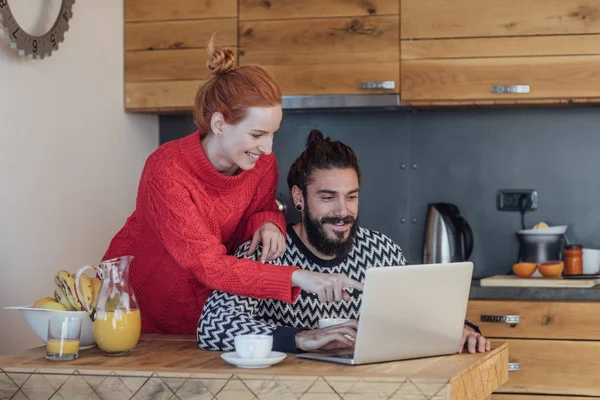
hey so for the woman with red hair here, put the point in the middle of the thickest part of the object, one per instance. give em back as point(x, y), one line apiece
point(202, 196)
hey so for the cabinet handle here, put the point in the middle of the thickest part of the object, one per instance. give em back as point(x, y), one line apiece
point(511, 89)
point(514, 366)
point(506, 319)
point(378, 85)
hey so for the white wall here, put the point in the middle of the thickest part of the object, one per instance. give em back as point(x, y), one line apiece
point(70, 159)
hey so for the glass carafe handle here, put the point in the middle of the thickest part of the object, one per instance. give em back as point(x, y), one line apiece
point(91, 310)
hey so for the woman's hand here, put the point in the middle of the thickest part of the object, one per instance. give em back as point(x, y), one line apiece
point(272, 239)
point(329, 287)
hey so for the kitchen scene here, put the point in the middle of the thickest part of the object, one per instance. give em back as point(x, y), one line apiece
point(477, 140)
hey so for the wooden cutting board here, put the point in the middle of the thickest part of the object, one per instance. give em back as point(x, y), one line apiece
point(515, 281)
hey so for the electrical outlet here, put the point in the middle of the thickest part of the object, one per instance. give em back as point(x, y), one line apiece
point(509, 199)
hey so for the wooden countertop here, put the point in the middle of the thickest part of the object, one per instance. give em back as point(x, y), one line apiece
point(159, 359)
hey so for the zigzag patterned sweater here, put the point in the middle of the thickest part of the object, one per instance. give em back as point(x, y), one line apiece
point(226, 315)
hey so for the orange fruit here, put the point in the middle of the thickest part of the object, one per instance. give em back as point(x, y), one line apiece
point(41, 301)
point(524, 269)
point(551, 269)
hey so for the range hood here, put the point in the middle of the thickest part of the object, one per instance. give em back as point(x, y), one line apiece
point(341, 101)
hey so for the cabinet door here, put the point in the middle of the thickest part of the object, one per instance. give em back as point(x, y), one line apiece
point(493, 18)
point(538, 319)
point(500, 51)
point(288, 9)
point(553, 367)
point(325, 47)
point(517, 69)
point(165, 49)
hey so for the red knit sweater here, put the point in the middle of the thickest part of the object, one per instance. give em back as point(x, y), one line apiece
point(188, 217)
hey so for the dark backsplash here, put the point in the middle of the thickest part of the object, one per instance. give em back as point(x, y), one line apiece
point(411, 158)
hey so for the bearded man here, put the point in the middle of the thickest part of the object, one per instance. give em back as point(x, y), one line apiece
point(324, 182)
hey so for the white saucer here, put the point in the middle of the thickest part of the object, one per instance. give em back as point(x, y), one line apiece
point(274, 358)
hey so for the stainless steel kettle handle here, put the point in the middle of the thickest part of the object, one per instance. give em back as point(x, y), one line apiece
point(467, 237)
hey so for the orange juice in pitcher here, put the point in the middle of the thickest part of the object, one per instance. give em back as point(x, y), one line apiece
point(117, 331)
point(117, 321)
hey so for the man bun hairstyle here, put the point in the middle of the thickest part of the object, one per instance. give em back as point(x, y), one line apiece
point(321, 153)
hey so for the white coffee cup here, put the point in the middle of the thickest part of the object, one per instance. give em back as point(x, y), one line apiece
point(325, 322)
point(591, 261)
point(253, 346)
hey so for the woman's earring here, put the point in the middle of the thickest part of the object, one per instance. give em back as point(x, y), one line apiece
point(299, 207)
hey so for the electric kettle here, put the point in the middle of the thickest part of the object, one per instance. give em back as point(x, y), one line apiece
point(448, 236)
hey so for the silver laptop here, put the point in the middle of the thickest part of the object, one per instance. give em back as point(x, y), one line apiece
point(408, 312)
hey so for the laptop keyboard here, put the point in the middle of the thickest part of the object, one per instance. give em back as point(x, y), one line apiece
point(349, 354)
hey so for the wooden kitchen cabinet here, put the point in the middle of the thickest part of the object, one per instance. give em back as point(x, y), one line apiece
point(324, 46)
point(538, 319)
point(288, 9)
point(554, 348)
point(165, 49)
point(434, 52)
point(562, 367)
point(471, 52)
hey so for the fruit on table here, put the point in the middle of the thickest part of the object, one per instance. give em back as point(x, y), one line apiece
point(96, 285)
point(64, 292)
point(551, 269)
point(524, 269)
point(87, 290)
point(61, 297)
point(41, 301)
point(53, 305)
point(540, 225)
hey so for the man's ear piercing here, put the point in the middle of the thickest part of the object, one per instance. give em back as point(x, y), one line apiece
point(299, 207)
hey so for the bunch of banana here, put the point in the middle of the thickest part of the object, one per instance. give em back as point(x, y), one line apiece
point(65, 293)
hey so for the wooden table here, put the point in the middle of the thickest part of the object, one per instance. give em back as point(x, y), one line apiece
point(173, 367)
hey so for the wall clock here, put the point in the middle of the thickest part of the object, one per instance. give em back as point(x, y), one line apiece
point(35, 47)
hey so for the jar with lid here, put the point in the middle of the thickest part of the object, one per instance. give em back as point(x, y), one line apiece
point(574, 259)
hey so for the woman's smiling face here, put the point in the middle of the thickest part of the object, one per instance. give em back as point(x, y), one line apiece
point(244, 143)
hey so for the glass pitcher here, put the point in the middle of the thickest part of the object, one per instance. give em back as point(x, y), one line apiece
point(116, 318)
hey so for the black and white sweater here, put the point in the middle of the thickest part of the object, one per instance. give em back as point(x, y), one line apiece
point(226, 315)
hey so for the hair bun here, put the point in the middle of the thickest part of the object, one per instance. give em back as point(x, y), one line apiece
point(315, 136)
point(221, 61)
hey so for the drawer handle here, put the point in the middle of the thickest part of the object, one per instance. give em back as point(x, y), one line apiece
point(514, 366)
point(378, 85)
point(505, 319)
point(520, 89)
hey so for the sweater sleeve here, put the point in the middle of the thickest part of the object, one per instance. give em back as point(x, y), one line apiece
point(226, 316)
point(265, 207)
point(185, 231)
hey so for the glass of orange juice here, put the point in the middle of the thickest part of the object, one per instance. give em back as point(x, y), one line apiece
point(63, 338)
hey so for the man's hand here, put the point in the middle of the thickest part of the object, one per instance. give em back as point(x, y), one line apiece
point(272, 239)
point(473, 341)
point(329, 287)
point(330, 338)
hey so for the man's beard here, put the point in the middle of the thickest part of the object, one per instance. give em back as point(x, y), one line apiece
point(318, 238)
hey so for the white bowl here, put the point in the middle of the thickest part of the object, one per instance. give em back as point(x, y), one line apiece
point(552, 230)
point(38, 318)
